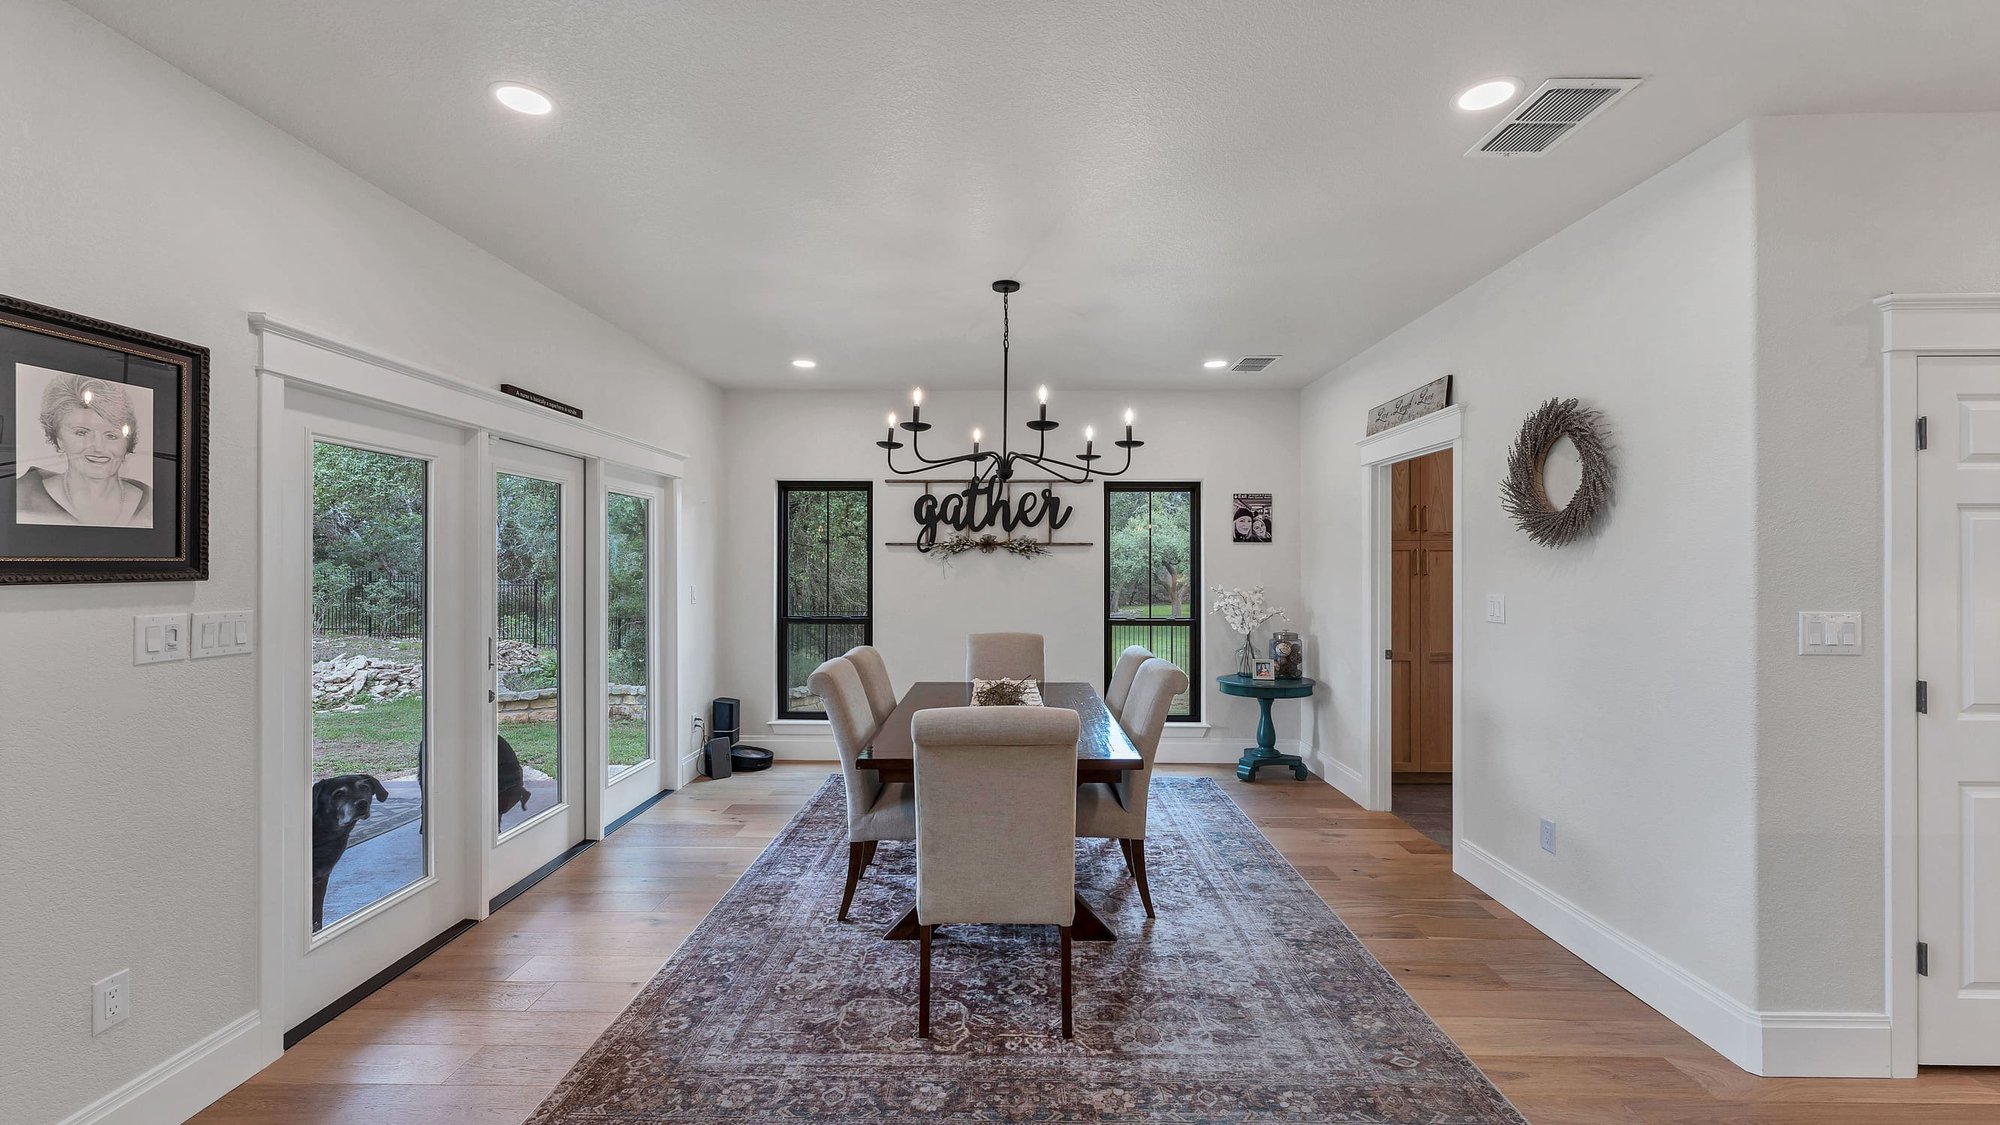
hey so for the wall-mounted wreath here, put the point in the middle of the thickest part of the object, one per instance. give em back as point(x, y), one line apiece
point(1523, 493)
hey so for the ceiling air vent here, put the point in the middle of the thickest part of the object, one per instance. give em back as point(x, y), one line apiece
point(1254, 362)
point(1549, 115)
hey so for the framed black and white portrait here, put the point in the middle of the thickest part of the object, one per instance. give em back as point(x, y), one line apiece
point(103, 451)
point(1252, 517)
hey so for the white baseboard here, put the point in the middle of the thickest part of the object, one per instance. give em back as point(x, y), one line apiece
point(1825, 1045)
point(184, 1085)
point(1343, 777)
point(1772, 1044)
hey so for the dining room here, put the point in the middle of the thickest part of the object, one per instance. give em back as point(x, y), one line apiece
point(1165, 561)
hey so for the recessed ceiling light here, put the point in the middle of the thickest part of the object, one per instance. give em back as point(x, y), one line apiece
point(804, 363)
point(1486, 95)
point(1216, 363)
point(523, 99)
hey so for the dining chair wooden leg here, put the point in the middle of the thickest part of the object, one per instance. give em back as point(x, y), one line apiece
point(857, 852)
point(1065, 982)
point(924, 981)
point(1125, 849)
point(1135, 851)
point(868, 857)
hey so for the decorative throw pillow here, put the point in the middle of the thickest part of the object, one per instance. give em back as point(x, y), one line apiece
point(1006, 693)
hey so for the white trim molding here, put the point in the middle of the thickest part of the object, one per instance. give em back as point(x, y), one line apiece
point(301, 355)
point(1913, 325)
point(187, 1083)
point(1771, 1044)
point(1372, 785)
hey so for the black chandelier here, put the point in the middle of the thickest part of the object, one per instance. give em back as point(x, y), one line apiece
point(989, 465)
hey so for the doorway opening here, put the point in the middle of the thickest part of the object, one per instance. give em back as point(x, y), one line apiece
point(1419, 652)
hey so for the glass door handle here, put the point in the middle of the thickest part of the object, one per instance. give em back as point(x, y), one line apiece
point(489, 695)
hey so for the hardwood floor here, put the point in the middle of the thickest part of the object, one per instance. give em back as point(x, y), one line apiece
point(481, 1031)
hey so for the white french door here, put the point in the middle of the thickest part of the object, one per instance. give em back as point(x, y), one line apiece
point(1958, 735)
point(635, 564)
point(537, 660)
point(377, 670)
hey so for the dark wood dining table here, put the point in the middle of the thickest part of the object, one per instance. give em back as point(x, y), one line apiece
point(1103, 754)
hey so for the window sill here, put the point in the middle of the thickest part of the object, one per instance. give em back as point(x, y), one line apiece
point(1185, 730)
point(796, 722)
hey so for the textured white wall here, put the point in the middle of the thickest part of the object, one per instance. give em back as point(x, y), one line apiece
point(128, 809)
point(1617, 699)
point(1848, 208)
point(1231, 442)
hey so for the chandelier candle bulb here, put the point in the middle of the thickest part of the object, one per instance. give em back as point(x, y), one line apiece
point(1128, 424)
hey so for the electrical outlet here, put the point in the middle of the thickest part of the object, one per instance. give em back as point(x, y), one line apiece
point(1548, 835)
point(111, 1001)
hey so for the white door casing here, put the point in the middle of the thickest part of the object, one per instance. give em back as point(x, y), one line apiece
point(1958, 735)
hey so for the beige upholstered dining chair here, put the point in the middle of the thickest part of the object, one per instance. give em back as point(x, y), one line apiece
point(1121, 678)
point(1118, 811)
point(996, 826)
point(1003, 656)
point(875, 812)
point(867, 660)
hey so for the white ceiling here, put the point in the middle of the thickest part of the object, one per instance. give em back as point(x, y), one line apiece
point(740, 182)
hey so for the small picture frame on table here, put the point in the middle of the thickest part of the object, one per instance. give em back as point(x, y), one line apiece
point(103, 451)
point(1263, 668)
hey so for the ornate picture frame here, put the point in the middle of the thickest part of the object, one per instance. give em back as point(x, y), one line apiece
point(103, 451)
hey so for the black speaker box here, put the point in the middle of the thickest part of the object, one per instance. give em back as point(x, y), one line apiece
point(725, 719)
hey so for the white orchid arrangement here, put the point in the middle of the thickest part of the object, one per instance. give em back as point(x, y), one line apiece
point(1244, 611)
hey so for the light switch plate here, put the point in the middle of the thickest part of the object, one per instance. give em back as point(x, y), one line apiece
point(1828, 633)
point(222, 634)
point(1496, 608)
point(159, 637)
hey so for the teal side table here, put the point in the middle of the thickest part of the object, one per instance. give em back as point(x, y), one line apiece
point(1265, 753)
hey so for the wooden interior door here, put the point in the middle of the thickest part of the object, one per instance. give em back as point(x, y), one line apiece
point(1420, 615)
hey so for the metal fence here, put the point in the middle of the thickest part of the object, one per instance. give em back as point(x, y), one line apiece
point(1174, 642)
point(396, 610)
point(529, 611)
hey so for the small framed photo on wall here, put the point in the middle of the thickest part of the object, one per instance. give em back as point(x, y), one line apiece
point(1252, 516)
point(103, 451)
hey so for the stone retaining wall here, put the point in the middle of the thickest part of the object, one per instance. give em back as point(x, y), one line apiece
point(626, 701)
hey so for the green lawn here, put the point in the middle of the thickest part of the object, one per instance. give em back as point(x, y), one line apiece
point(382, 739)
point(1160, 610)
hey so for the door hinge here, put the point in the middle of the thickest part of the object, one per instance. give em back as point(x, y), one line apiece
point(1923, 698)
point(1923, 958)
point(1923, 433)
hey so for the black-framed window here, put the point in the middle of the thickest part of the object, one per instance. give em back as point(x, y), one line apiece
point(1152, 579)
point(826, 583)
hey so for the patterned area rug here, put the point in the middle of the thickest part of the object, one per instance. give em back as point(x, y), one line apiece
point(1247, 1000)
